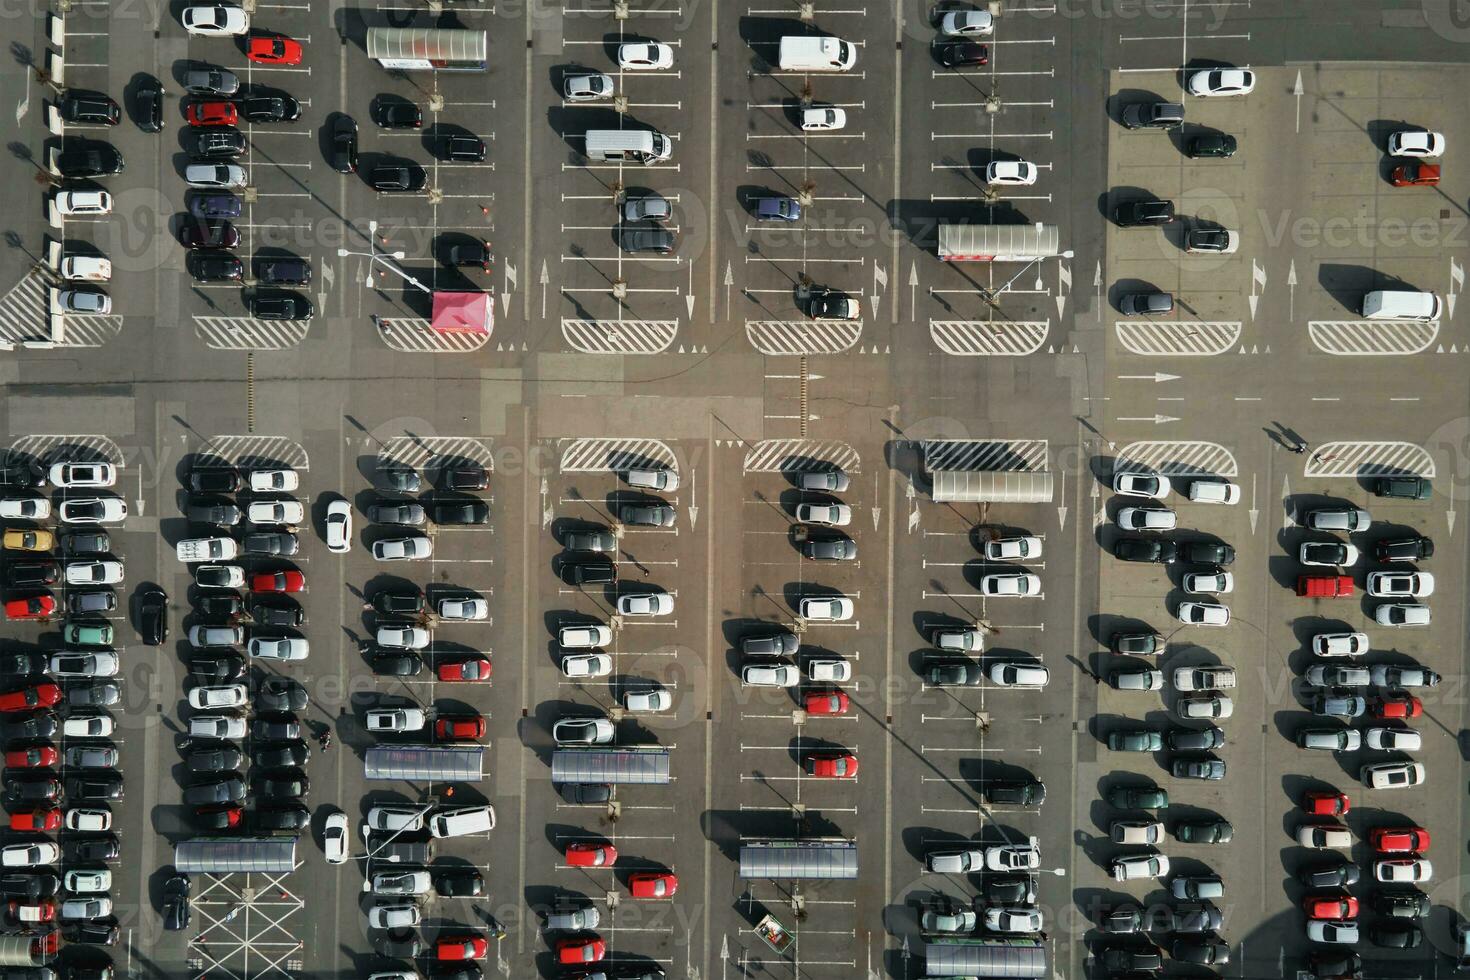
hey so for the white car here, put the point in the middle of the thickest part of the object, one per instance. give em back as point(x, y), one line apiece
point(1332, 931)
point(222, 175)
point(587, 665)
point(1137, 866)
point(394, 819)
point(29, 855)
point(1400, 585)
point(770, 675)
point(1013, 857)
point(86, 819)
point(1010, 173)
point(334, 838)
point(1217, 491)
point(87, 882)
point(1013, 920)
point(967, 23)
point(1010, 584)
point(402, 549)
point(395, 719)
point(830, 515)
point(26, 508)
point(590, 87)
point(1393, 739)
point(1148, 485)
point(1340, 644)
point(215, 726)
point(1401, 614)
point(1024, 548)
point(279, 648)
point(823, 118)
point(645, 56)
point(1393, 775)
point(82, 475)
point(88, 268)
point(93, 510)
point(405, 916)
point(1416, 143)
point(1209, 583)
point(403, 637)
point(1222, 81)
point(1203, 614)
point(103, 663)
point(265, 481)
point(463, 609)
point(1147, 519)
point(1018, 674)
point(832, 671)
point(399, 883)
point(583, 731)
point(108, 572)
point(215, 20)
point(955, 862)
point(1214, 241)
point(339, 527)
point(1400, 871)
point(1327, 554)
point(1198, 706)
point(275, 512)
point(645, 604)
point(1136, 831)
point(88, 726)
point(959, 641)
point(217, 696)
point(85, 203)
point(1204, 678)
point(1322, 836)
point(658, 699)
point(834, 609)
point(584, 637)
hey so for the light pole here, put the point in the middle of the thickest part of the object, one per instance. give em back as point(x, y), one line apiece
point(1039, 284)
point(383, 258)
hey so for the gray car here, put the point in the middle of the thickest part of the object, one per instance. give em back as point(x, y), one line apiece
point(646, 207)
point(830, 549)
point(1146, 304)
point(592, 539)
point(91, 757)
point(211, 81)
point(778, 644)
point(646, 515)
point(645, 238)
point(1339, 519)
point(397, 512)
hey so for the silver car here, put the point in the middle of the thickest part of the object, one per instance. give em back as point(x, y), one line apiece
point(646, 207)
point(1339, 519)
point(587, 88)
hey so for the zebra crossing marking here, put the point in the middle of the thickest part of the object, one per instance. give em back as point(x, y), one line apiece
point(613, 455)
point(1178, 338)
point(1359, 338)
point(1172, 457)
point(250, 452)
point(780, 338)
point(986, 338)
point(248, 333)
point(415, 336)
point(801, 456)
point(432, 453)
point(991, 455)
point(619, 336)
point(1355, 458)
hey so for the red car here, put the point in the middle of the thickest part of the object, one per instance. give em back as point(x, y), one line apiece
point(1396, 706)
point(1326, 803)
point(32, 607)
point(572, 951)
point(273, 49)
point(589, 855)
point(826, 703)
point(1415, 175)
point(1331, 907)
point(459, 728)
point(466, 670)
point(1399, 840)
point(30, 698)
point(843, 766)
point(653, 884)
point(292, 581)
point(32, 757)
point(42, 911)
point(212, 114)
point(461, 948)
point(41, 820)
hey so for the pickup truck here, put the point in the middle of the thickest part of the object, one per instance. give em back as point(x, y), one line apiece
point(1324, 586)
point(207, 549)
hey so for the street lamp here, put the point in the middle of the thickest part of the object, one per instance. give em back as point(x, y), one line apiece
point(1039, 284)
point(382, 257)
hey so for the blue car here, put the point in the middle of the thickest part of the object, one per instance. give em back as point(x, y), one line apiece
point(214, 206)
point(780, 208)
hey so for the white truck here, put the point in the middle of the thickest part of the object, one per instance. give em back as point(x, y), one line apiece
point(207, 549)
point(817, 54)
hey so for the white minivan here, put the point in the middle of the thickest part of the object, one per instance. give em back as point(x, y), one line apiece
point(466, 820)
point(1401, 304)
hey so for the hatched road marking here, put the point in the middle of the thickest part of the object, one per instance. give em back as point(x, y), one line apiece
point(619, 336)
point(991, 455)
point(25, 315)
point(974, 338)
point(1351, 458)
point(432, 452)
point(415, 336)
point(1348, 338)
point(800, 456)
point(248, 333)
point(1178, 458)
point(613, 455)
point(1178, 338)
point(49, 449)
point(253, 453)
point(797, 337)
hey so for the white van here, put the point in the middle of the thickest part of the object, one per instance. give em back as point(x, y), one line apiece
point(1214, 492)
point(645, 146)
point(657, 479)
point(86, 267)
point(1400, 304)
point(817, 54)
point(458, 823)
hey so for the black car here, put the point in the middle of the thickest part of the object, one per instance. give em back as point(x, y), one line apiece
point(214, 267)
point(1136, 644)
point(397, 114)
point(218, 817)
point(97, 601)
point(464, 476)
point(1414, 548)
point(280, 694)
point(214, 479)
point(959, 54)
point(397, 665)
point(220, 608)
point(274, 614)
point(1208, 553)
point(22, 663)
point(86, 543)
point(589, 572)
point(281, 306)
point(219, 143)
point(342, 157)
point(281, 818)
point(101, 847)
point(270, 543)
point(226, 789)
point(1331, 963)
point(1409, 903)
point(96, 786)
point(284, 271)
point(209, 234)
point(650, 237)
point(1336, 874)
point(18, 884)
point(28, 787)
point(1398, 935)
point(28, 574)
point(280, 728)
point(1144, 959)
point(465, 149)
point(282, 755)
point(90, 108)
point(1325, 552)
point(1134, 213)
point(98, 694)
point(459, 882)
point(400, 179)
point(1204, 952)
point(399, 943)
point(470, 254)
point(153, 616)
point(1403, 487)
point(1010, 889)
point(220, 758)
point(583, 793)
point(1194, 739)
point(953, 673)
point(1157, 550)
point(99, 932)
point(148, 106)
point(396, 512)
point(1204, 831)
point(1212, 145)
point(214, 204)
point(408, 604)
point(94, 160)
point(465, 512)
point(41, 725)
point(829, 549)
point(176, 903)
point(1019, 792)
point(287, 784)
point(270, 108)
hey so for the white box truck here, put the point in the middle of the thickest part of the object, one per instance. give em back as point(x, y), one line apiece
point(817, 54)
point(207, 549)
point(645, 146)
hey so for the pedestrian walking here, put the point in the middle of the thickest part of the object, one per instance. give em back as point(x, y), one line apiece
point(1299, 448)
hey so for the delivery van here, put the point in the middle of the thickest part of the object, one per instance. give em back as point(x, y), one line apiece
point(817, 54)
point(645, 146)
point(1400, 304)
point(466, 820)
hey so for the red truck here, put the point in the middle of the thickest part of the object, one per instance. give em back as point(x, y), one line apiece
point(1324, 586)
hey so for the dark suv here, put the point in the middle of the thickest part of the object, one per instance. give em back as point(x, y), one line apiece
point(281, 306)
point(1154, 115)
point(289, 271)
point(214, 144)
point(90, 107)
point(1134, 213)
point(1146, 549)
point(1403, 487)
point(402, 179)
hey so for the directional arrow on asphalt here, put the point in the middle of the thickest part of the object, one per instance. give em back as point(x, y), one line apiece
point(1258, 286)
point(1062, 508)
point(1449, 515)
point(693, 496)
point(1155, 419)
point(689, 299)
point(913, 289)
point(1457, 277)
point(1155, 377)
point(729, 281)
point(1298, 91)
point(1097, 284)
point(545, 278)
point(1291, 285)
point(139, 502)
point(1254, 512)
point(1286, 520)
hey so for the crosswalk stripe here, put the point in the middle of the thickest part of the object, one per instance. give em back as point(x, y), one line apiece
point(415, 336)
point(255, 452)
point(619, 336)
point(611, 455)
point(248, 333)
point(49, 449)
point(800, 456)
point(1355, 458)
point(990, 455)
point(800, 337)
point(1178, 458)
point(430, 453)
point(975, 338)
point(1178, 338)
point(1347, 338)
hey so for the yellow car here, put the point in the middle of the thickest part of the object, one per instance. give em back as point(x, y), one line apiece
point(29, 540)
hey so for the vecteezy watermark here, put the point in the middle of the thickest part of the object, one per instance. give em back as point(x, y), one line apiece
point(1450, 19)
point(1361, 231)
